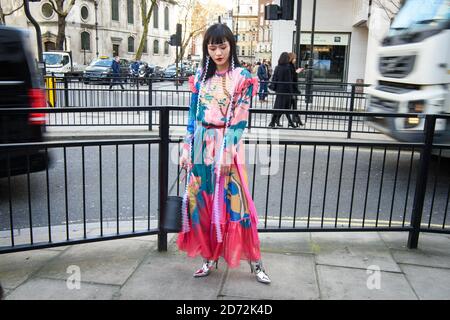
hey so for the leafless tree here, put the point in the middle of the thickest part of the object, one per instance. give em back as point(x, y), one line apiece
point(147, 7)
point(62, 12)
point(15, 6)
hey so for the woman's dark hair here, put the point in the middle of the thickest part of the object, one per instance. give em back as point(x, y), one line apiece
point(217, 34)
point(284, 58)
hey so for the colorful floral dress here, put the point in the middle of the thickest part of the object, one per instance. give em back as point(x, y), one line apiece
point(222, 223)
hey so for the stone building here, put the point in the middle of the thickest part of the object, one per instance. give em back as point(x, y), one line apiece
point(264, 47)
point(105, 27)
point(245, 27)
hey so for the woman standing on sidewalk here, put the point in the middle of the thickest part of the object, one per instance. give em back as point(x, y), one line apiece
point(282, 85)
point(219, 216)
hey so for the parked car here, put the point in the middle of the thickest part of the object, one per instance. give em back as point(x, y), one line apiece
point(20, 87)
point(171, 72)
point(156, 72)
point(100, 70)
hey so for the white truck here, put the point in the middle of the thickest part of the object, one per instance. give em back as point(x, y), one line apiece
point(414, 72)
point(61, 63)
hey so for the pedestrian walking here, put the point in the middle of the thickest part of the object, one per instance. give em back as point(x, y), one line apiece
point(295, 72)
point(263, 77)
point(219, 216)
point(284, 89)
point(116, 73)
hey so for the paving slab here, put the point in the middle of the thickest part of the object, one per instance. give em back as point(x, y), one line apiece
point(293, 277)
point(50, 289)
point(338, 283)
point(298, 242)
point(429, 283)
point(427, 241)
point(168, 275)
point(104, 262)
point(16, 268)
point(356, 250)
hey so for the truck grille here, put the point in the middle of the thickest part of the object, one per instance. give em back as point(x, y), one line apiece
point(396, 66)
point(389, 105)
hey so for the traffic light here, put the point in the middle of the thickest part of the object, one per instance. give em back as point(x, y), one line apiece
point(287, 9)
point(271, 12)
point(178, 33)
point(175, 39)
point(284, 11)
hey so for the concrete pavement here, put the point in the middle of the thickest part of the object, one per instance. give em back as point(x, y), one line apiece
point(328, 265)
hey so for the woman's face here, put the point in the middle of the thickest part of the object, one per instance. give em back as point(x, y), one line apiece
point(220, 53)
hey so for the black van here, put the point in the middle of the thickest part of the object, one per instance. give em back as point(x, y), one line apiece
point(20, 87)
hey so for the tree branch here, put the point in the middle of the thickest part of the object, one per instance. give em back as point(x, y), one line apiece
point(59, 13)
point(71, 4)
point(14, 10)
point(150, 10)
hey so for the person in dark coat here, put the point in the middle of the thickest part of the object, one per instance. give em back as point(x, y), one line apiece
point(263, 77)
point(283, 87)
point(116, 73)
point(295, 72)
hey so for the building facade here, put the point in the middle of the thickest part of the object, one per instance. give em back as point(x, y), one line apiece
point(105, 28)
point(245, 27)
point(347, 33)
point(264, 47)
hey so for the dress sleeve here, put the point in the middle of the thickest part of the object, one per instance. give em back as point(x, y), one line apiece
point(247, 87)
point(194, 86)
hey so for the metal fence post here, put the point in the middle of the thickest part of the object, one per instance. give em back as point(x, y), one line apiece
point(150, 103)
point(352, 107)
point(137, 98)
point(249, 126)
point(66, 92)
point(421, 183)
point(163, 174)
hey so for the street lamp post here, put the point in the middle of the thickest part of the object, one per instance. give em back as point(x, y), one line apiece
point(96, 27)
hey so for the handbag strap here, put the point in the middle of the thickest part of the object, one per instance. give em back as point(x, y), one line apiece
point(175, 181)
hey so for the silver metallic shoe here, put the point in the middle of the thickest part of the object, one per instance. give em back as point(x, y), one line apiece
point(260, 272)
point(206, 268)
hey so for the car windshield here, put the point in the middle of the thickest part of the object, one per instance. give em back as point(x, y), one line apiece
point(418, 14)
point(52, 58)
point(102, 63)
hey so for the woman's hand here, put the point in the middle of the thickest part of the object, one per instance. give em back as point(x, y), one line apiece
point(185, 162)
point(299, 70)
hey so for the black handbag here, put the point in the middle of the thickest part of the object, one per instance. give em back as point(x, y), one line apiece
point(172, 214)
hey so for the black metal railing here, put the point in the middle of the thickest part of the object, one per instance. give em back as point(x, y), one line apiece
point(73, 92)
point(106, 189)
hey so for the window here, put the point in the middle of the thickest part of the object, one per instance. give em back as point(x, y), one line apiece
point(155, 47)
point(115, 10)
point(130, 44)
point(47, 10)
point(166, 48)
point(130, 12)
point(85, 41)
point(155, 17)
point(115, 50)
point(84, 13)
point(243, 37)
point(166, 18)
point(145, 46)
point(243, 51)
